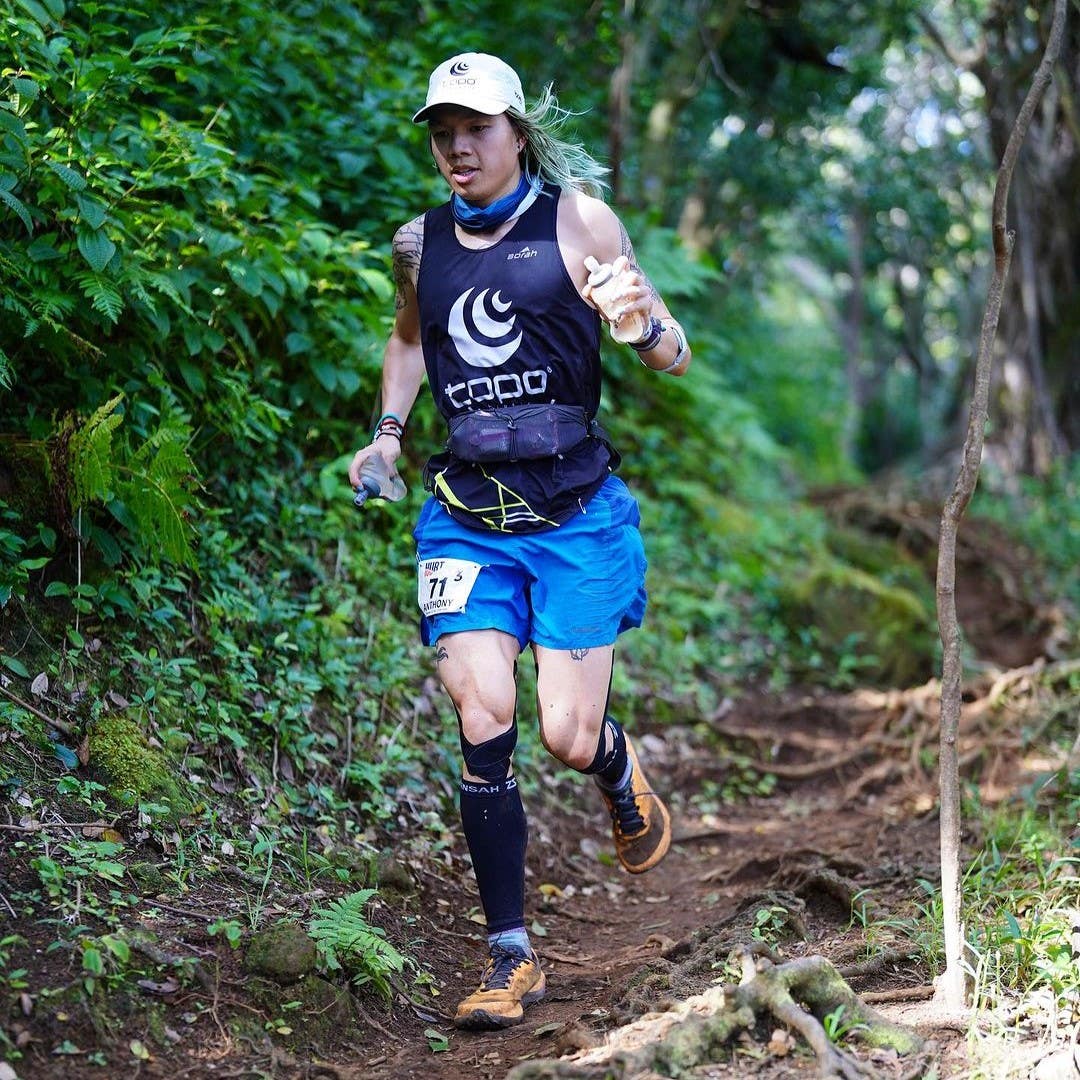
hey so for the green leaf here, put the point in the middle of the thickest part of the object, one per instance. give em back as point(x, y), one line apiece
point(192, 376)
point(92, 210)
point(18, 207)
point(12, 123)
point(297, 342)
point(15, 665)
point(57, 588)
point(66, 755)
point(26, 88)
point(75, 181)
point(437, 1041)
point(325, 372)
point(75, 637)
point(97, 249)
point(118, 947)
point(379, 283)
point(42, 250)
point(93, 961)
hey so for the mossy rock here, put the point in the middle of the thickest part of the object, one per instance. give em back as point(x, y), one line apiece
point(132, 770)
point(148, 876)
point(360, 865)
point(890, 626)
point(310, 1011)
point(284, 952)
point(393, 876)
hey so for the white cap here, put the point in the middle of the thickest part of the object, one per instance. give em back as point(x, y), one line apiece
point(476, 81)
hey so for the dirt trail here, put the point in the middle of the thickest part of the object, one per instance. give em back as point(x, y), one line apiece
point(823, 858)
point(785, 867)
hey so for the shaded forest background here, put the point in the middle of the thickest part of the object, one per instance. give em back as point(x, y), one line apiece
point(196, 208)
point(194, 260)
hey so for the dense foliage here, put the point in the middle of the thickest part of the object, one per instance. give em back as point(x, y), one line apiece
point(196, 206)
point(194, 260)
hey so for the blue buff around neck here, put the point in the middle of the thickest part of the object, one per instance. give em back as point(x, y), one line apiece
point(483, 218)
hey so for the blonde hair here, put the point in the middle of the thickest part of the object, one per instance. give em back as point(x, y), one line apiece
point(552, 158)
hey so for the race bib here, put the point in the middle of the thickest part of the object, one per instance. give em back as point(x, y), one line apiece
point(443, 585)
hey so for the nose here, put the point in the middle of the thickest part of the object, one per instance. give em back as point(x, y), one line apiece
point(457, 144)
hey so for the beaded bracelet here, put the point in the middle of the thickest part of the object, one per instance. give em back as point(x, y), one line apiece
point(389, 424)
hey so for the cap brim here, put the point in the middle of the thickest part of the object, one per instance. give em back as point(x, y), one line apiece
point(487, 106)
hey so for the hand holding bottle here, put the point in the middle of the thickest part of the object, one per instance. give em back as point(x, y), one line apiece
point(610, 288)
point(374, 477)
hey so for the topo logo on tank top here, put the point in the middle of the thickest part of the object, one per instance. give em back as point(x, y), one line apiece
point(481, 330)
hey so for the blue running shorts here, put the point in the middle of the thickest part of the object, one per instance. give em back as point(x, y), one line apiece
point(577, 586)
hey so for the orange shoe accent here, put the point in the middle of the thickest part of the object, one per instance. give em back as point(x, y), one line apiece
point(640, 822)
point(509, 983)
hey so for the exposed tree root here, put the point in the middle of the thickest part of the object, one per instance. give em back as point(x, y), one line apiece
point(797, 993)
point(890, 731)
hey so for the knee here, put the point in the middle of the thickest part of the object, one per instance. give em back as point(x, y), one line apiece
point(490, 759)
point(570, 735)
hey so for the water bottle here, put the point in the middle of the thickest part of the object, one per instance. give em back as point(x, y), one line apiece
point(378, 482)
point(634, 325)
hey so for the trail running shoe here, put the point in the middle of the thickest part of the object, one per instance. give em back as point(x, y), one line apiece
point(640, 823)
point(509, 983)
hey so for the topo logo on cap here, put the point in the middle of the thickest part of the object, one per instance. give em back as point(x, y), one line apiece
point(459, 68)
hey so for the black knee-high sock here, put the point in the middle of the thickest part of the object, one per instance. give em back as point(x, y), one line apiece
point(610, 765)
point(497, 833)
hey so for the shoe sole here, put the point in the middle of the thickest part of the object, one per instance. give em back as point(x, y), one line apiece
point(482, 1020)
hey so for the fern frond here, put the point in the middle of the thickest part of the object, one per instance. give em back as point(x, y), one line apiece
point(346, 939)
point(7, 372)
point(91, 464)
point(102, 292)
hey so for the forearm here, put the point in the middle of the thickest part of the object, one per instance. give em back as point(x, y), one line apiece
point(402, 376)
point(665, 349)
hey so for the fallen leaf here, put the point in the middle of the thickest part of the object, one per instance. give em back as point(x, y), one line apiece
point(40, 685)
point(169, 986)
point(781, 1043)
point(549, 891)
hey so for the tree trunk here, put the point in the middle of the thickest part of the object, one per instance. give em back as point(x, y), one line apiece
point(1036, 403)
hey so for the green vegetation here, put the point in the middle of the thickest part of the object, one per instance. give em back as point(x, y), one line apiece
point(208, 659)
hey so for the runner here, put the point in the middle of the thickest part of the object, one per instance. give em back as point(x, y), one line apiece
point(529, 538)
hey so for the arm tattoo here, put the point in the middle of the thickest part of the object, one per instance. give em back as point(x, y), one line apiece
point(578, 654)
point(627, 249)
point(408, 246)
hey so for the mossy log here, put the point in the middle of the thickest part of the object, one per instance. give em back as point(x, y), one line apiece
point(673, 1043)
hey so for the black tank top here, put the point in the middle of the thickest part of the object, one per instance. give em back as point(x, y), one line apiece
point(501, 327)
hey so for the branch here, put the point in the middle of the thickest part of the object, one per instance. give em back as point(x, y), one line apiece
point(952, 984)
point(968, 58)
point(60, 725)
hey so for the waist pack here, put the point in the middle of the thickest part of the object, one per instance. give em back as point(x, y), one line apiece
point(519, 432)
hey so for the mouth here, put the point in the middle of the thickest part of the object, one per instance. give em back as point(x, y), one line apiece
point(462, 174)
